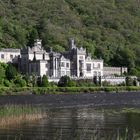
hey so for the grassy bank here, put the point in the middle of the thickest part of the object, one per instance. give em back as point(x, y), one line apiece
point(59, 90)
point(13, 114)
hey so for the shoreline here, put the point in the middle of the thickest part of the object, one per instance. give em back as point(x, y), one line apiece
point(125, 99)
point(67, 90)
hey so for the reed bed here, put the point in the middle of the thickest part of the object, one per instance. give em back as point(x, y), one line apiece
point(14, 114)
point(70, 90)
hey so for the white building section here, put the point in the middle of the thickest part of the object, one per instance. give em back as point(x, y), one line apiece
point(112, 80)
point(114, 71)
point(9, 55)
point(73, 63)
point(32, 59)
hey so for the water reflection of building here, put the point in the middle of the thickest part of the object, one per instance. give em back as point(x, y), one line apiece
point(91, 124)
point(77, 124)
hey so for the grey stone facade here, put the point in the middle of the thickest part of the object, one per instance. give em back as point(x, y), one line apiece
point(114, 71)
point(74, 63)
point(8, 55)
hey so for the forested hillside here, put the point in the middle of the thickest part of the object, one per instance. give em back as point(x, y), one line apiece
point(109, 29)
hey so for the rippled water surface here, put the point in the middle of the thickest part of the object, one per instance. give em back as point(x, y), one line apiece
point(78, 124)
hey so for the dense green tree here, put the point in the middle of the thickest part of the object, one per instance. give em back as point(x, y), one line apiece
point(19, 81)
point(124, 57)
point(45, 82)
point(34, 80)
point(129, 81)
point(95, 80)
point(11, 72)
point(6, 83)
point(2, 72)
point(58, 48)
point(32, 36)
point(109, 29)
point(3, 67)
point(28, 80)
point(65, 81)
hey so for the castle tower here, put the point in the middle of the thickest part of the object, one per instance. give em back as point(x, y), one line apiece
point(78, 59)
point(81, 56)
point(38, 44)
point(71, 43)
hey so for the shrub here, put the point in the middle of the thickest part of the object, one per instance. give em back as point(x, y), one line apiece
point(105, 83)
point(72, 83)
point(109, 89)
point(27, 79)
point(85, 83)
point(95, 80)
point(45, 82)
point(18, 81)
point(33, 80)
point(6, 83)
point(39, 82)
point(53, 84)
point(1, 81)
point(11, 72)
point(65, 81)
point(129, 81)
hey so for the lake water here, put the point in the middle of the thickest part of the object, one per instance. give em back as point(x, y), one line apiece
point(78, 124)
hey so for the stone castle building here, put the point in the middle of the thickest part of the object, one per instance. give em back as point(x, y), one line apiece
point(74, 63)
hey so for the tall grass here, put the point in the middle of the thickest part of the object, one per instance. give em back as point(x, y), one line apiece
point(59, 90)
point(13, 114)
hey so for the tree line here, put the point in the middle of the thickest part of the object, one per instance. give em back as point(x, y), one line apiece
point(108, 29)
